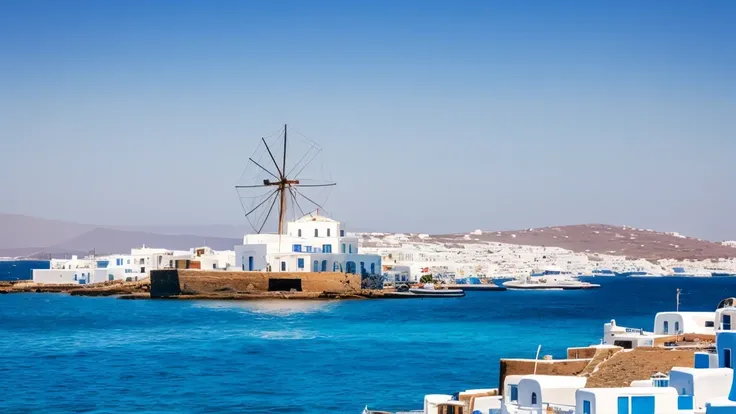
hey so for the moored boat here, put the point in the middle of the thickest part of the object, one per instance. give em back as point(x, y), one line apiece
point(549, 279)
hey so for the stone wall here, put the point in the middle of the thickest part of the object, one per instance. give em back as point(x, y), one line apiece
point(581, 352)
point(191, 281)
point(544, 367)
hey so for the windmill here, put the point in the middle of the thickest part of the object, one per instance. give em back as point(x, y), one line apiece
point(265, 187)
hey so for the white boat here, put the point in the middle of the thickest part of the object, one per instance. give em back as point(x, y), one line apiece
point(550, 279)
point(429, 290)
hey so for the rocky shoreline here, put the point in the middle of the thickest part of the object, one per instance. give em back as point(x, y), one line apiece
point(141, 290)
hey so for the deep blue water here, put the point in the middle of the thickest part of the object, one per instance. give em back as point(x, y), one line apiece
point(21, 269)
point(60, 353)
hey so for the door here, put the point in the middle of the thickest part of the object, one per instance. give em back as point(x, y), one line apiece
point(642, 404)
point(623, 405)
point(250, 263)
point(586, 407)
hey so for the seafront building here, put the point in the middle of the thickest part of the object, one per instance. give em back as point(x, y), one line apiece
point(706, 387)
point(130, 267)
point(312, 243)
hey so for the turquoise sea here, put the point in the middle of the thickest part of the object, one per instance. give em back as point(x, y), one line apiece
point(61, 354)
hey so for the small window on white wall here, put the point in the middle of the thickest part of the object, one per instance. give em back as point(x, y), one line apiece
point(316, 232)
point(328, 232)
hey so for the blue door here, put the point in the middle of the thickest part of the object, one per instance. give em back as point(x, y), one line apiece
point(514, 393)
point(642, 404)
point(250, 263)
point(324, 265)
point(623, 405)
point(586, 407)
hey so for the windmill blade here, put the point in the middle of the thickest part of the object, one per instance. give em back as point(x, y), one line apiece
point(272, 158)
point(309, 199)
point(315, 185)
point(263, 168)
point(292, 191)
point(261, 203)
point(284, 167)
point(268, 214)
point(251, 186)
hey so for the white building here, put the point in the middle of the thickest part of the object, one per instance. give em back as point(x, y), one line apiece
point(632, 400)
point(665, 324)
point(539, 393)
point(312, 243)
point(129, 267)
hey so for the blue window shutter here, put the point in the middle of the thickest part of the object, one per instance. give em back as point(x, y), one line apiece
point(623, 405)
point(300, 263)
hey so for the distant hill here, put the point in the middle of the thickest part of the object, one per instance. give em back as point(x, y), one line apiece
point(18, 231)
point(118, 241)
point(22, 236)
point(607, 239)
point(29, 236)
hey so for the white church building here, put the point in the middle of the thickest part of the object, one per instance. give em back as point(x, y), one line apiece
point(312, 243)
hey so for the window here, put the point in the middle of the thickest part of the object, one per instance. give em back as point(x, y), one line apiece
point(324, 265)
point(250, 263)
point(342, 233)
point(143, 270)
point(326, 248)
point(316, 232)
point(586, 407)
point(297, 248)
point(350, 248)
point(514, 393)
point(677, 327)
point(283, 266)
point(666, 327)
point(214, 265)
point(75, 277)
point(534, 398)
point(709, 324)
point(343, 248)
point(315, 267)
point(299, 233)
point(328, 232)
point(309, 249)
point(726, 323)
point(623, 405)
point(300, 263)
point(727, 363)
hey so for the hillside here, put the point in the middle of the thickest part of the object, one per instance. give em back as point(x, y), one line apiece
point(583, 238)
point(607, 239)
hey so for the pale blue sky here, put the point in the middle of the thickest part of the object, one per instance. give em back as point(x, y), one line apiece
point(434, 116)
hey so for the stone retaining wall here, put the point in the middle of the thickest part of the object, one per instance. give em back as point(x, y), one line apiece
point(176, 282)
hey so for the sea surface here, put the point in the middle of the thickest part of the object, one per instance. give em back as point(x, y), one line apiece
point(61, 354)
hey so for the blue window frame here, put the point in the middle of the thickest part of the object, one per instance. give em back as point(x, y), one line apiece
point(623, 405)
point(297, 248)
point(726, 323)
point(250, 263)
point(350, 248)
point(642, 404)
point(586, 407)
point(309, 249)
point(534, 398)
point(343, 248)
point(514, 393)
point(326, 248)
point(324, 265)
point(300, 263)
